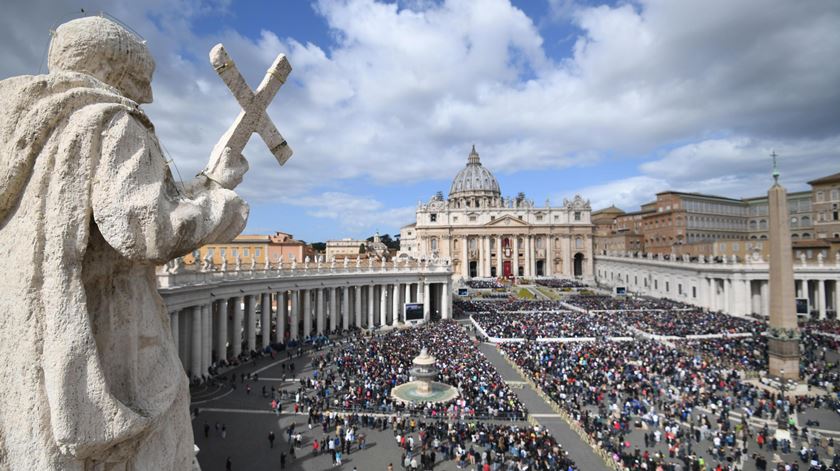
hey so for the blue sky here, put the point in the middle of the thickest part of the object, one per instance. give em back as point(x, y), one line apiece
point(612, 100)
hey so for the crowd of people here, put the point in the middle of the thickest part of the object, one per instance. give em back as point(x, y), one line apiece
point(484, 284)
point(359, 372)
point(548, 324)
point(560, 283)
point(689, 322)
point(601, 302)
point(620, 391)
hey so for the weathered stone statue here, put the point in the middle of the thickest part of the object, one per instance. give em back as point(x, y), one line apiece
point(88, 208)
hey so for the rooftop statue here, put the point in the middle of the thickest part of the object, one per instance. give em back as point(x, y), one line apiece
point(88, 208)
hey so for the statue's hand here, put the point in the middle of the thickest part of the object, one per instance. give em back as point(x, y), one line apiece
point(226, 168)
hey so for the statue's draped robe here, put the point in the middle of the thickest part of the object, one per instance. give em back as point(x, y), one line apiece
point(88, 369)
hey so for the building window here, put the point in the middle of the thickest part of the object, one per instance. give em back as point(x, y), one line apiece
point(222, 252)
point(235, 253)
point(693, 291)
point(577, 215)
point(539, 218)
point(434, 245)
point(820, 197)
point(433, 217)
point(472, 218)
point(454, 218)
point(667, 287)
point(578, 243)
point(196, 254)
point(257, 252)
point(246, 252)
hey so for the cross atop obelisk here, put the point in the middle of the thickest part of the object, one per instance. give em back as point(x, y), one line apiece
point(783, 333)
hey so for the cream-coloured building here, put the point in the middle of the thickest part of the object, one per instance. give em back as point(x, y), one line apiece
point(487, 235)
point(344, 248)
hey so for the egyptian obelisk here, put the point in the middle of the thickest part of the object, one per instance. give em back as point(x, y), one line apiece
point(783, 333)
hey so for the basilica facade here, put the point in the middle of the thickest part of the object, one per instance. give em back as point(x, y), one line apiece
point(486, 235)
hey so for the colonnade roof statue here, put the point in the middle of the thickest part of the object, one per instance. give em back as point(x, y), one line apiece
point(88, 208)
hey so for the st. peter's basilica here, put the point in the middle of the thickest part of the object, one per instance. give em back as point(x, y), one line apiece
point(487, 235)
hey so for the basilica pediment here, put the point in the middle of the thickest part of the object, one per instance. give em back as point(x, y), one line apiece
point(507, 221)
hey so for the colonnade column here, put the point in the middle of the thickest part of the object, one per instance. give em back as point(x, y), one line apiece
point(319, 311)
point(294, 316)
point(357, 300)
point(221, 328)
point(395, 306)
point(236, 328)
point(184, 334)
point(307, 312)
point(195, 342)
point(727, 302)
point(370, 306)
point(426, 300)
point(206, 337)
point(806, 293)
point(465, 268)
point(765, 298)
point(345, 308)
point(383, 305)
point(280, 318)
point(408, 292)
point(251, 321)
point(821, 296)
point(333, 310)
point(265, 320)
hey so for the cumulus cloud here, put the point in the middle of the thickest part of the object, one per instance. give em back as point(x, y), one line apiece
point(353, 213)
point(701, 89)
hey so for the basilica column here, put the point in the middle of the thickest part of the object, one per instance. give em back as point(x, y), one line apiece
point(370, 306)
point(549, 255)
point(395, 305)
point(280, 320)
point(499, 271)
point(727, 296)
point(426, 302)
point(307, 312)
point(345, 307)
point(265, 319)
point(528, 256)
point(251, 320)
point(195, 342)
point(294, 316)
point(236, 328)
point(357, 301)
point(184, 334)
point(487, 257)
point(333, 310)
point(445, 300)
point(465, 262)
point(515, 255)
point(408, 292)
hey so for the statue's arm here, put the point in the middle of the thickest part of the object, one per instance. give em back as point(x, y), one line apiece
point(138, 208)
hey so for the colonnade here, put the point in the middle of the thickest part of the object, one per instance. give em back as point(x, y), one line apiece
point(736, 288)
point(231, 318)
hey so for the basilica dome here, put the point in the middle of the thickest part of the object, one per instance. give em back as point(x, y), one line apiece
point(474, 180)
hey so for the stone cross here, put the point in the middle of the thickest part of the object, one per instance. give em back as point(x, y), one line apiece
point(253, 117)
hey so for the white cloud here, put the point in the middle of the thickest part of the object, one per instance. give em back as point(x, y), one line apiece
point(355, 214)
point(406, 88)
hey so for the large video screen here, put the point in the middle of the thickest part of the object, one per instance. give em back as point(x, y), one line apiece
point(620, 290)
point(802, 306)
point(413, 311)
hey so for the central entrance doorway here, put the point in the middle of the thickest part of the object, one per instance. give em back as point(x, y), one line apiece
point(506, 269)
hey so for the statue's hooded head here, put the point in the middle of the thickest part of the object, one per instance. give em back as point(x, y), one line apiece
point(106, 50)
